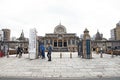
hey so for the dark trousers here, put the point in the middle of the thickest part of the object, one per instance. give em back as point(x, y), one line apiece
point(49, 56)
point(19, 54)
point(43, 54)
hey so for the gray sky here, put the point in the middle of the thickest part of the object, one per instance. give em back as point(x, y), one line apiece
point(44, 15)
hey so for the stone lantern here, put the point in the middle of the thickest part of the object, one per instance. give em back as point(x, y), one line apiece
point(87, 54)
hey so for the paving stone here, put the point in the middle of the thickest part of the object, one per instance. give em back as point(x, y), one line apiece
point(64, 67)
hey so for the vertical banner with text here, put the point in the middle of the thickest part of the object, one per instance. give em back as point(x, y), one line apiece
point(32, 43)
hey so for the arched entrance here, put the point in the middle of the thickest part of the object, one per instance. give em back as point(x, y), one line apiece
point(59, 43)
point(65, 43)
point(55, 43)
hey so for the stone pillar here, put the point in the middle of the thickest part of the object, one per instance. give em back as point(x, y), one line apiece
point(57, 42)
point(84, 49)
point(49, 41)
point(44, 42)
point(32, 44)
point(71, 41)
point(62, 43)
point(67, 43)
point(52, 43)
point(87, 54)
point(75, 42)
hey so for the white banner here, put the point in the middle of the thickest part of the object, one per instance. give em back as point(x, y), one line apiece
point(32, 43)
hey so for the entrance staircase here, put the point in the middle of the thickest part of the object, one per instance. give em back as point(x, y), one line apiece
point(65, 49)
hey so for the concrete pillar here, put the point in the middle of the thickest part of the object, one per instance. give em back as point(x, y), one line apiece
point(57, 42)
point(53, 43)
point(71, 41)
point(44, 42)
point(67, 43)
point(70, 54)
point(75, 42)
point(87, 54)
point(62, 43)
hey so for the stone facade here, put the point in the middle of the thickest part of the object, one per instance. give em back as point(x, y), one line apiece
point(86, 46)
point(60, 39)
point(106, 45)
point(115, 33)
point(6, 34)
point(118, 31)
point(12, 45)
point(98, 36)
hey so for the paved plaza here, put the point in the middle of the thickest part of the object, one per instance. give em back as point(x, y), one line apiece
point(64, 67)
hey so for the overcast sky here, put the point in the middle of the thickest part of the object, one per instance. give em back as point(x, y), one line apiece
point(44, 15)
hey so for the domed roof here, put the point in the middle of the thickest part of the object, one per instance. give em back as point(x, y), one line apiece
point(60, 29)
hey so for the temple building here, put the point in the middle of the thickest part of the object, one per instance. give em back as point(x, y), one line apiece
point(60, 39)
point(98, 36)
point(22, 38)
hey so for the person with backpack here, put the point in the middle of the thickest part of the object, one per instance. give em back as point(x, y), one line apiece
point(42, 51)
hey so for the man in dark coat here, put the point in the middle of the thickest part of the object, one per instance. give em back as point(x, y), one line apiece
point(19, 51)
point(49, 52)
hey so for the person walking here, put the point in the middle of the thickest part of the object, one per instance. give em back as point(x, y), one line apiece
point(101, 52)
point(42, 51)
point(6, 51)
point(19, 51)
point(49, 52)
point(39, 52)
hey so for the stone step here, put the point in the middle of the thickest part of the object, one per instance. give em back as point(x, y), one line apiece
point(60, 49)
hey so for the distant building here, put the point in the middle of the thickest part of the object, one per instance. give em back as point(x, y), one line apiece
point(93, 37)
point(1, 35)
point(13, 39)
point(118, 31)
point(115, 33)
point(98, 36)
point(6, 34)
point(22, 38)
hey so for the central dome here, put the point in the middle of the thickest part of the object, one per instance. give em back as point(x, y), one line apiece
point(60, 29)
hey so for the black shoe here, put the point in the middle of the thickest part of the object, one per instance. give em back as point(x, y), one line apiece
point(49, 60)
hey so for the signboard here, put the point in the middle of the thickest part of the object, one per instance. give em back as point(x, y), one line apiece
point(88, 48)
point(32, 43)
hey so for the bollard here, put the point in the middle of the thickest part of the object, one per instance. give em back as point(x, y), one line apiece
point(60, 55)
point(101, 55)
point(112, 54)
point(70, 55)
point(7, 54)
